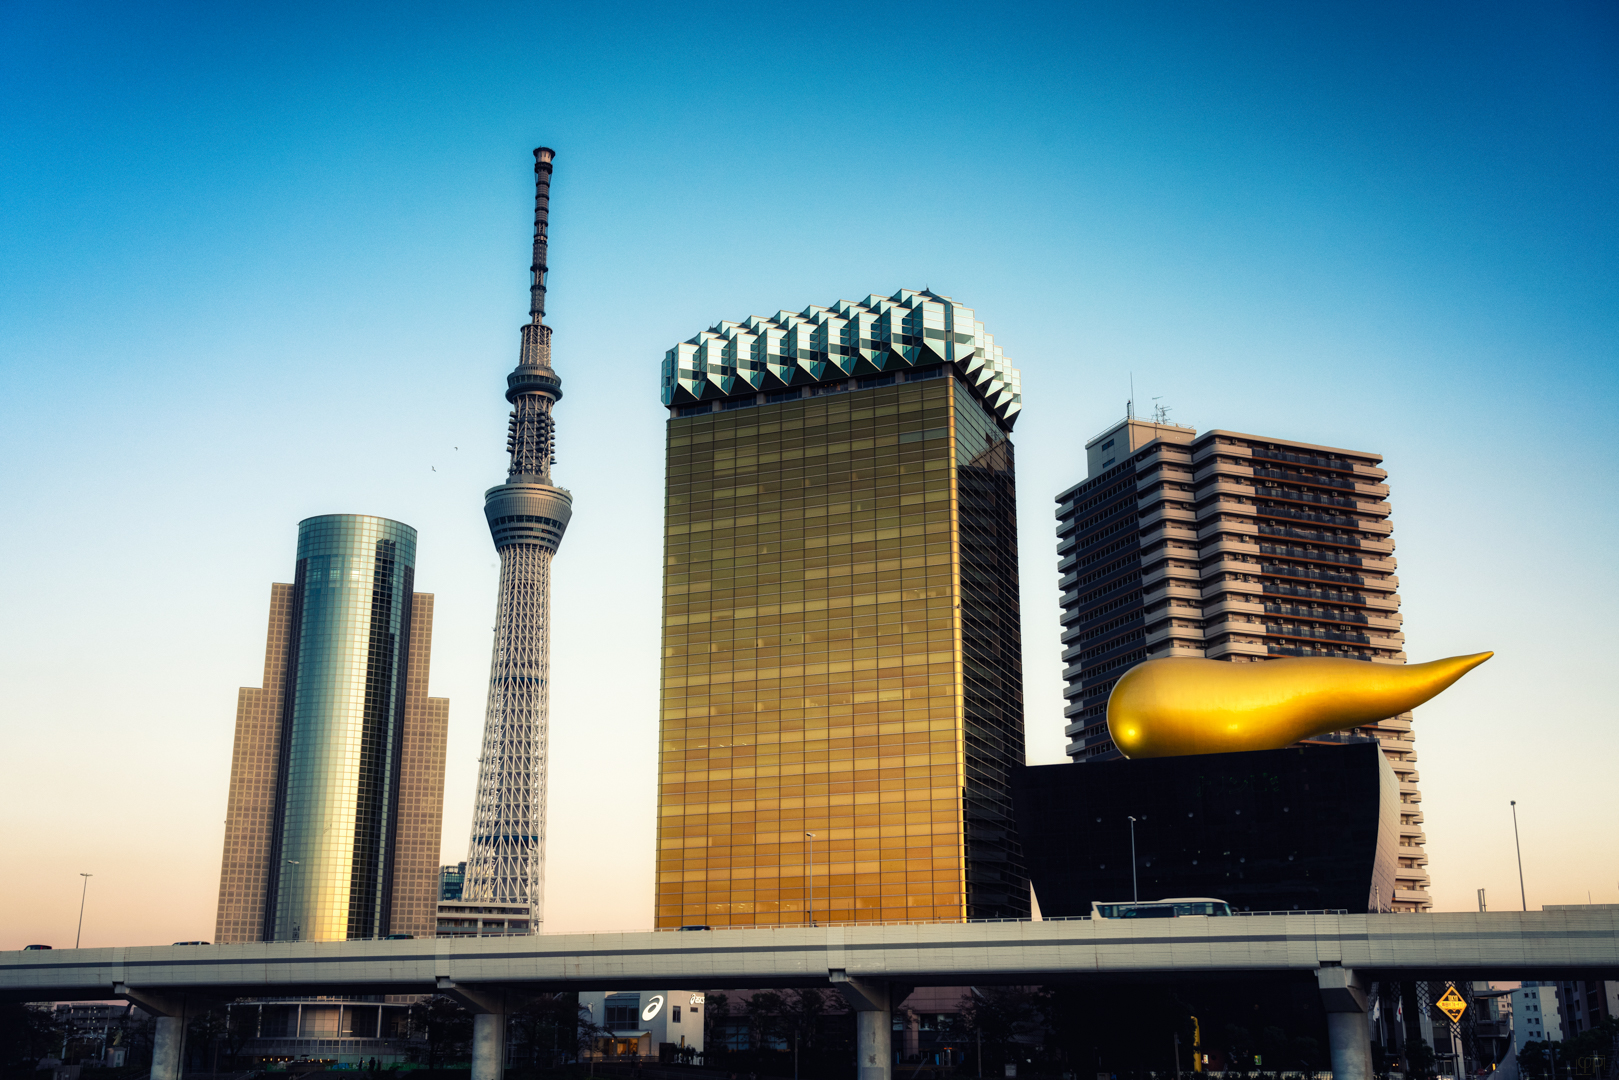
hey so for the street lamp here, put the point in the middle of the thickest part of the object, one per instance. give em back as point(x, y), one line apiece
point(82, 893)
point(1521, 894)
point(1135, 888)
point(811, 837)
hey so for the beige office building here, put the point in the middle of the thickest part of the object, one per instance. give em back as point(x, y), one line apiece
point(337, 778)
point(1233, 547)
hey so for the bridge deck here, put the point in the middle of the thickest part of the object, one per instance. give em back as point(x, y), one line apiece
point(1498, 945)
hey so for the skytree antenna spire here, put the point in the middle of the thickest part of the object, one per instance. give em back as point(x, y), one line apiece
point(527, 516)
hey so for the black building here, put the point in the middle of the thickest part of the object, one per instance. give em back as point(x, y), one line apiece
point(1304, 828)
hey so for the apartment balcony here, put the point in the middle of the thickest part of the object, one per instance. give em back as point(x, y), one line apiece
point(1224, 488)
point(1221, 650)
point(1370, 545)
point(1168, 629)
point(1383, 564)
point(1229, 526)
point(1208, 450)
point(1234, 605)
point(1166, 571)
point(1173, 649)
point(1231, 563)
point(1178, 472)
point(1375, 491)
point(1220, 468)
point(1170, 530)
point(1166, 512)
point(1235, 545)
point(1180, 595)
point(1167, 453)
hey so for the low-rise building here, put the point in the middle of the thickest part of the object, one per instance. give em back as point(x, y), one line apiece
point(659, 1024)
point(1535, 1015)
point(450, 880)
point(483, 918)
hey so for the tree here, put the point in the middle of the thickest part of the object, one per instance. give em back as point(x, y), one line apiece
point(1419, 1060)
point(1532, 1059)
point(1011, 1021)
point(27, 1033)
point(716, 1007)
point(548, 1024)
point(444, 1025)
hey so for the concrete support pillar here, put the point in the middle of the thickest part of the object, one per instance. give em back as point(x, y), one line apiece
point(873, 1003)
point(488, 1007)
point(1348, 1033)
point(166, 1045)
point(1350, 1037)
point(875, 1044)
point(489, 1046)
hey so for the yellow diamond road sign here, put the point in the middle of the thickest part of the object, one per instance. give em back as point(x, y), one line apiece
point(1452, 1005)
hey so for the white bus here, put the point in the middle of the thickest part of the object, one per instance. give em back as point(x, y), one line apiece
point(1172, 908)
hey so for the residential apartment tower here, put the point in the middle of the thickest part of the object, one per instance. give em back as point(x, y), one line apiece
point(1232, 547)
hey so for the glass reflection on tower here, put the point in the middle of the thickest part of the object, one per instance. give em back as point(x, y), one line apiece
point(351, 622)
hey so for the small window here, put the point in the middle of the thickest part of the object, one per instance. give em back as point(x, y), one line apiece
point(677, 1014)
point(1108, 445)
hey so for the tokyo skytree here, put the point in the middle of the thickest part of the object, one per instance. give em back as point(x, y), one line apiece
point(527, 517)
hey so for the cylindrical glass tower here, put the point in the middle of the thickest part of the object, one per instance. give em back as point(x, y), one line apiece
point(340, 749)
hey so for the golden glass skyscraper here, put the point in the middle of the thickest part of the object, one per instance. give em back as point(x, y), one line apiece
point(842, 680)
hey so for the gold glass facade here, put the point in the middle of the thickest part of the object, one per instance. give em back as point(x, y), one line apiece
point(841, 657)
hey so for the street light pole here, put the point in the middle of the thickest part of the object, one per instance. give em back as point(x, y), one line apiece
point(1135, 887)
point(811, 877)
point(82, 894)
point(1521, 894)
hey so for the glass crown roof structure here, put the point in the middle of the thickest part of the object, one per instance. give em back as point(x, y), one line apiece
point(819, 345)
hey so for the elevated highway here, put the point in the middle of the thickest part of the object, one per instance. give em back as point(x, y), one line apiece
point(873, 966)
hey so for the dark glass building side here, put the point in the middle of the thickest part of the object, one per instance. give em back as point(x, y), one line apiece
point(1305, 828)
point(992, 660)
point(1100, 568)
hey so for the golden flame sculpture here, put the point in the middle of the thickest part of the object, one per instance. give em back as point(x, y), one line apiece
point(1169, 708)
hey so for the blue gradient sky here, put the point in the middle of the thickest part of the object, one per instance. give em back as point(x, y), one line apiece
point(261, 265)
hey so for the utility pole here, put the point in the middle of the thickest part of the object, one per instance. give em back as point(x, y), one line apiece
point(811, 879)
point(1522, 895)
point(82, 894)
point(1135, 888)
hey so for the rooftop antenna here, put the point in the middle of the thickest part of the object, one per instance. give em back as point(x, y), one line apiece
point(1130, 405)
point(1160, 413)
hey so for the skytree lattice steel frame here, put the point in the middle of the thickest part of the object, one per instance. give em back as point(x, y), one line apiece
point(527, 516)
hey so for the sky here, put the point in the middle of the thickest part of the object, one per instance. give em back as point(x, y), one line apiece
point(260, 263)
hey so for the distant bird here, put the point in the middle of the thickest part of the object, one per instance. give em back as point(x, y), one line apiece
point(434, 468)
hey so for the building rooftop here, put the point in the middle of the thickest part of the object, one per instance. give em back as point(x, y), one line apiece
point(820, 345)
